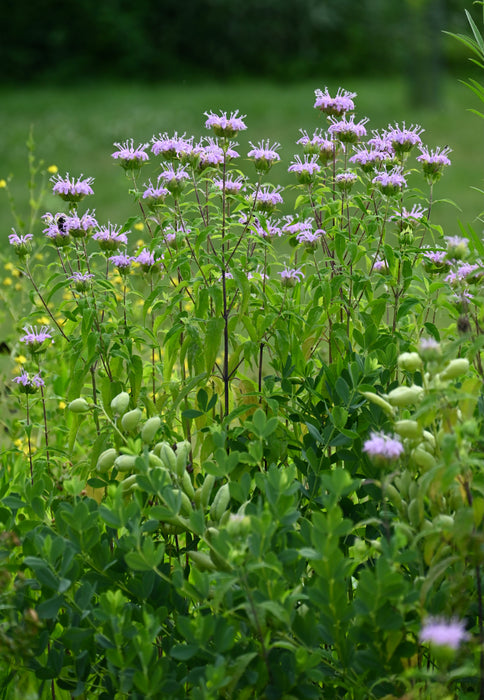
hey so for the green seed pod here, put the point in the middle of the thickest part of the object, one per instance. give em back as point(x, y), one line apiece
point(106, 460)
point(167, 456)
point(455, 368)
point(124, 463)
point(408, 429)
point(154, 460)
point(220, 503)
point(206, 490)
point(182, 452)
point(202, 561)
point(379, 401)
point(131, 419)
point(410, 361)
point(394, 497)
point(129, 484)
point(79, 406)
point(186, 506)
point(149, 429)
point(187, 485)
point(120, 403)
point(405, 395)
point(422, 458)
point(415, 513)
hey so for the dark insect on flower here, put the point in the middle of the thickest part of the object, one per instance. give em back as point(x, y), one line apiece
point(61, 220)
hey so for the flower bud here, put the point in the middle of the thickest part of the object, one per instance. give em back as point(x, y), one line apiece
point(182, 452)
point(405, 395)
point(201, 560)
point(79, 405)
point(220, 502)
point(120, 403)
point(409, 361)
point(422, 458)
point(167, 456)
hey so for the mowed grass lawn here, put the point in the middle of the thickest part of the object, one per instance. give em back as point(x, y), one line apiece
point(74, 128)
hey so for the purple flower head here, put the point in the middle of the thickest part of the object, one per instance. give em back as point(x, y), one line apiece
point(403, 139)
point(212, 154)
point(131, 157)
point(318, 144)
point(293, 227)
point(223, 125)
point(80, 226)
point(21, 244)
point(463, 272)
point(257, 274)
point(381, 142)
point(306, 169)
point(122, 262)
point(264, 155)
point(381, 266)
point(173, 180)
point(346, 130)
point(171, 147)
point(147, 260)
point(56, 230)
point(429, 349)
point(310, 239)
point(110, 237)
point(383, 449)
point(266, 228)
point(441, 632)
point(290, 276)
point(35, 338)
point(231, 185)
point(81, 281)
point(71, 190)
point(435, 260)
point(27, 384)
point(370, 159)
point(154, 195)
point(408, 219)
point(345, 181)
point(266, 199)
point(391, 182)
point(433, 162)
point(334, 106)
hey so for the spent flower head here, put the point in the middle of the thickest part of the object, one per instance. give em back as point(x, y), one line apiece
point(345, 181)
point(457, 247)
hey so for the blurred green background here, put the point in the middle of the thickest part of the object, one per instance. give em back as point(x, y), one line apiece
point(84, 75)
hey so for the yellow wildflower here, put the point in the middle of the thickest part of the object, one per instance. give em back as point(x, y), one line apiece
point(3, 184)
point(7, 281)
point(21, 359)
point(52, 169)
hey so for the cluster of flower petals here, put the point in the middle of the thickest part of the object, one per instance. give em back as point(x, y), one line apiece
point(339, 104)
point(127, 151)
point(71, 187)
point(383, 446)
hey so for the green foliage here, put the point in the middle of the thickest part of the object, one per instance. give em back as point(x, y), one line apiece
point(241, 483)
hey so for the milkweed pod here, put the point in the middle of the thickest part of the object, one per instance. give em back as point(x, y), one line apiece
point(79, 405)
point(405, 395)
point(106, 460)
point(149, 429)
point(124, 463)
point(455, 368)
point(131, 419)
point(120, 403)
